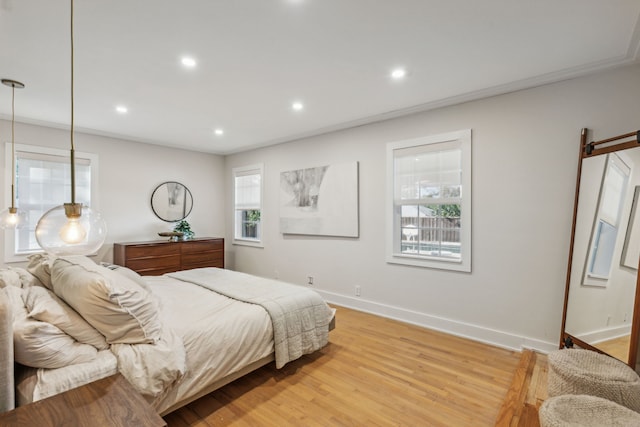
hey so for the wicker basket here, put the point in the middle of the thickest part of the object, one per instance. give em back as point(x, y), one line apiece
point(586, 372)
point(582, 410)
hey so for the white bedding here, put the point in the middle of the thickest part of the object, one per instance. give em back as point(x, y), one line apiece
point(152, 368)
point(213, 349)
point(53, 381)
point(207, 340)
point(299, 316)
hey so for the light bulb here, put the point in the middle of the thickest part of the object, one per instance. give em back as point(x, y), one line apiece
point(71, 229)
point(12, 218)
point(73, 232)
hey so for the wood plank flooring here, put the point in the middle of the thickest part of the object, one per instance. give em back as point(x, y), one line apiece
point(617, 347)
point(527, 392)
point(374, 372)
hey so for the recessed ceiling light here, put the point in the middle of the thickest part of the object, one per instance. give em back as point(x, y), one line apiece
point(219, 131)
point(297, 106)
point(188, 62)
point(398, 73)
point(121, 109)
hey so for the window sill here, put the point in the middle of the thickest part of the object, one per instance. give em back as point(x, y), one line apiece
point(425, 262)
point(23, 257)
point(248, 242)
point(12, 258)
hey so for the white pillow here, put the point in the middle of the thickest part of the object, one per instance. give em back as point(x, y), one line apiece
point(27, 278)
point(9, 277)
point(129, 273)
point(116, 306)
point(18, 310)
point(40, 266)
point(42, 345)
point(44, 305)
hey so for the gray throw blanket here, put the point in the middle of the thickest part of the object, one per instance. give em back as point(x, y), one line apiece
point(300, 317)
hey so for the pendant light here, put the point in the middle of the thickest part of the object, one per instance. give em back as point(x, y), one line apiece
point(71, 229)
point(12, 217)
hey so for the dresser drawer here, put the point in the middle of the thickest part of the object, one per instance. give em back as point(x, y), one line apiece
point(150, 251)
point(196, 246)
point(203, 259)
point(154, 266)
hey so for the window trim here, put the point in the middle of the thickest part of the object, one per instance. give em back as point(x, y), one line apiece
point(238, 171)
point(10, 255)
point(394, 257)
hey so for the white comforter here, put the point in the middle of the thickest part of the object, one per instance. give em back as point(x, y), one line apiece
point(220, 335)
point(299, 316)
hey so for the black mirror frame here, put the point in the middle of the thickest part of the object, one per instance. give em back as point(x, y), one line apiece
point(187, 194)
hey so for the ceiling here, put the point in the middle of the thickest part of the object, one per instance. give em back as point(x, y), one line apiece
point(256, 57)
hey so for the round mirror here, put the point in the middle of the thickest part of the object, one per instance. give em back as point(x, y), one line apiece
point(171, 201)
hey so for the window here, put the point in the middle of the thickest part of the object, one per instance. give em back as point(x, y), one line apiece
point(607, 221)
point(43, 181)
point(247, 185)
point(429, 200)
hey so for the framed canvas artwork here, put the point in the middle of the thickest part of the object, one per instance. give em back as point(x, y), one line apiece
point(321, 200)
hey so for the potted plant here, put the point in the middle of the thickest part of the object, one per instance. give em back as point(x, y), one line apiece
point(252, 218)
point(184, 227)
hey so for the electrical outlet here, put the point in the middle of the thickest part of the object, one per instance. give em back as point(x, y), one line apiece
point(357, 290)
point(276, 274)
point(310, 281)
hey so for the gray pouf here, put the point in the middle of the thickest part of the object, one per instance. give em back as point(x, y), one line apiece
point(575, 371)
point(582, 410)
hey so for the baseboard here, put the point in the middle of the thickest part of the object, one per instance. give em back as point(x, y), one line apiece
point(465, 330)
point(605, 334)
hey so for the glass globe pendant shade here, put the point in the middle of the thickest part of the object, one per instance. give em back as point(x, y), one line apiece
point(71, 229)
point(12, 218)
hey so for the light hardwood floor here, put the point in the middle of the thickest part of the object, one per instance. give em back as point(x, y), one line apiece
point(374, 372)
point(527, 393)
point(617, 347)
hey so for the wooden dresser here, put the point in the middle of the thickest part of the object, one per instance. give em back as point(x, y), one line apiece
point(161, 256)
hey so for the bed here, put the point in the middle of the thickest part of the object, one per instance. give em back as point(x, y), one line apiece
point(67, 321)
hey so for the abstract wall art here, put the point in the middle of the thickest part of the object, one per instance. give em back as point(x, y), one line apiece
point(320, 200)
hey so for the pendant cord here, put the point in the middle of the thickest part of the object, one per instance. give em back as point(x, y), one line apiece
point(13, 146)
point(73, 169)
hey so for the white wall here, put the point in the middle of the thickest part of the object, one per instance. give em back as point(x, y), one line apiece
point(525, 151)
point(128, 173)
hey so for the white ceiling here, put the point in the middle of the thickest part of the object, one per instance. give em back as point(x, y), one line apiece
point(255, 57)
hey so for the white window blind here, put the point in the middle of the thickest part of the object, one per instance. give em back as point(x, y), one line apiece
point(43, 181)
point(428, 174)
point(613, 193)
point(248, 191)
point(607, 221)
